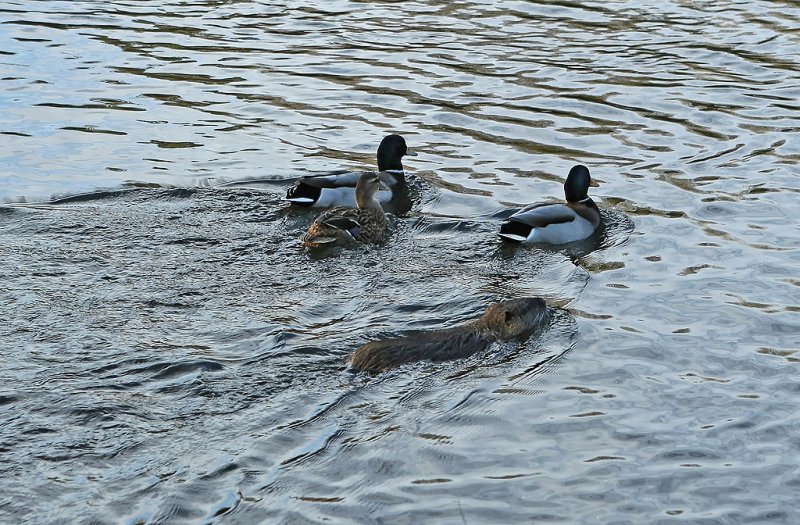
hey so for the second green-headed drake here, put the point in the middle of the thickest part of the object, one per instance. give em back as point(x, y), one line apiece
point(557, 223)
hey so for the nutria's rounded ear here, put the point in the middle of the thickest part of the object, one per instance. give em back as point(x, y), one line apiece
point(509, 315)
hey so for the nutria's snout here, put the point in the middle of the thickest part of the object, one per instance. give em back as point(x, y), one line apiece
point(537, 309)
point(509, 319)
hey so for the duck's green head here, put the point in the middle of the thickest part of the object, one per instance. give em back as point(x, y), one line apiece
point(390, 152)
point(576, 187)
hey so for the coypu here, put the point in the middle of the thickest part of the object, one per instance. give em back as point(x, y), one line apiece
point(502, 321)
point(344, 226)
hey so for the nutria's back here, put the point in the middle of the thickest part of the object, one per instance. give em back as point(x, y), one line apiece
point(502, 321)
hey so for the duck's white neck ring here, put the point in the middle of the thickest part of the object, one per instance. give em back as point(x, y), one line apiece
point(584, 201)
point(394, 172)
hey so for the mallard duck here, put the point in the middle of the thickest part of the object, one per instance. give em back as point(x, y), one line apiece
point(557, 223)
point(338, 189)
point(344, 226)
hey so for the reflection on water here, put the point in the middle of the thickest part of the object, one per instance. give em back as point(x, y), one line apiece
point(171, 354)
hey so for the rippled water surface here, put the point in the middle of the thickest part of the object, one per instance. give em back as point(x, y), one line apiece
point(170, 354)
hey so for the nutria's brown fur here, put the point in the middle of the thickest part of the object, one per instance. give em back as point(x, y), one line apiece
point(502, 321)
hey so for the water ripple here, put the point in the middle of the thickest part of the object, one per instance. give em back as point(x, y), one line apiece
point(169, 342)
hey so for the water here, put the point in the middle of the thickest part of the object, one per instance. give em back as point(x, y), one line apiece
point(171, 355)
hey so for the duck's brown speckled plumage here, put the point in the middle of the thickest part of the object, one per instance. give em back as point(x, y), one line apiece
point(502, 321)
point(345, 226)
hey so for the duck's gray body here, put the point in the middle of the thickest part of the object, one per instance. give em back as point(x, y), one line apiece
point(557, 223)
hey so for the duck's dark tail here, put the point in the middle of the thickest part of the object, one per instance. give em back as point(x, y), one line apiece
point(515, 231)
point(303, 194)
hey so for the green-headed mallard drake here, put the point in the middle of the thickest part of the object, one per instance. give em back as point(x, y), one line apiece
point(344, 226)
point(338, 189)
point(557, 223)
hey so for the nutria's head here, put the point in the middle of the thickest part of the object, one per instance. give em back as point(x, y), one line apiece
point(509, 319)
